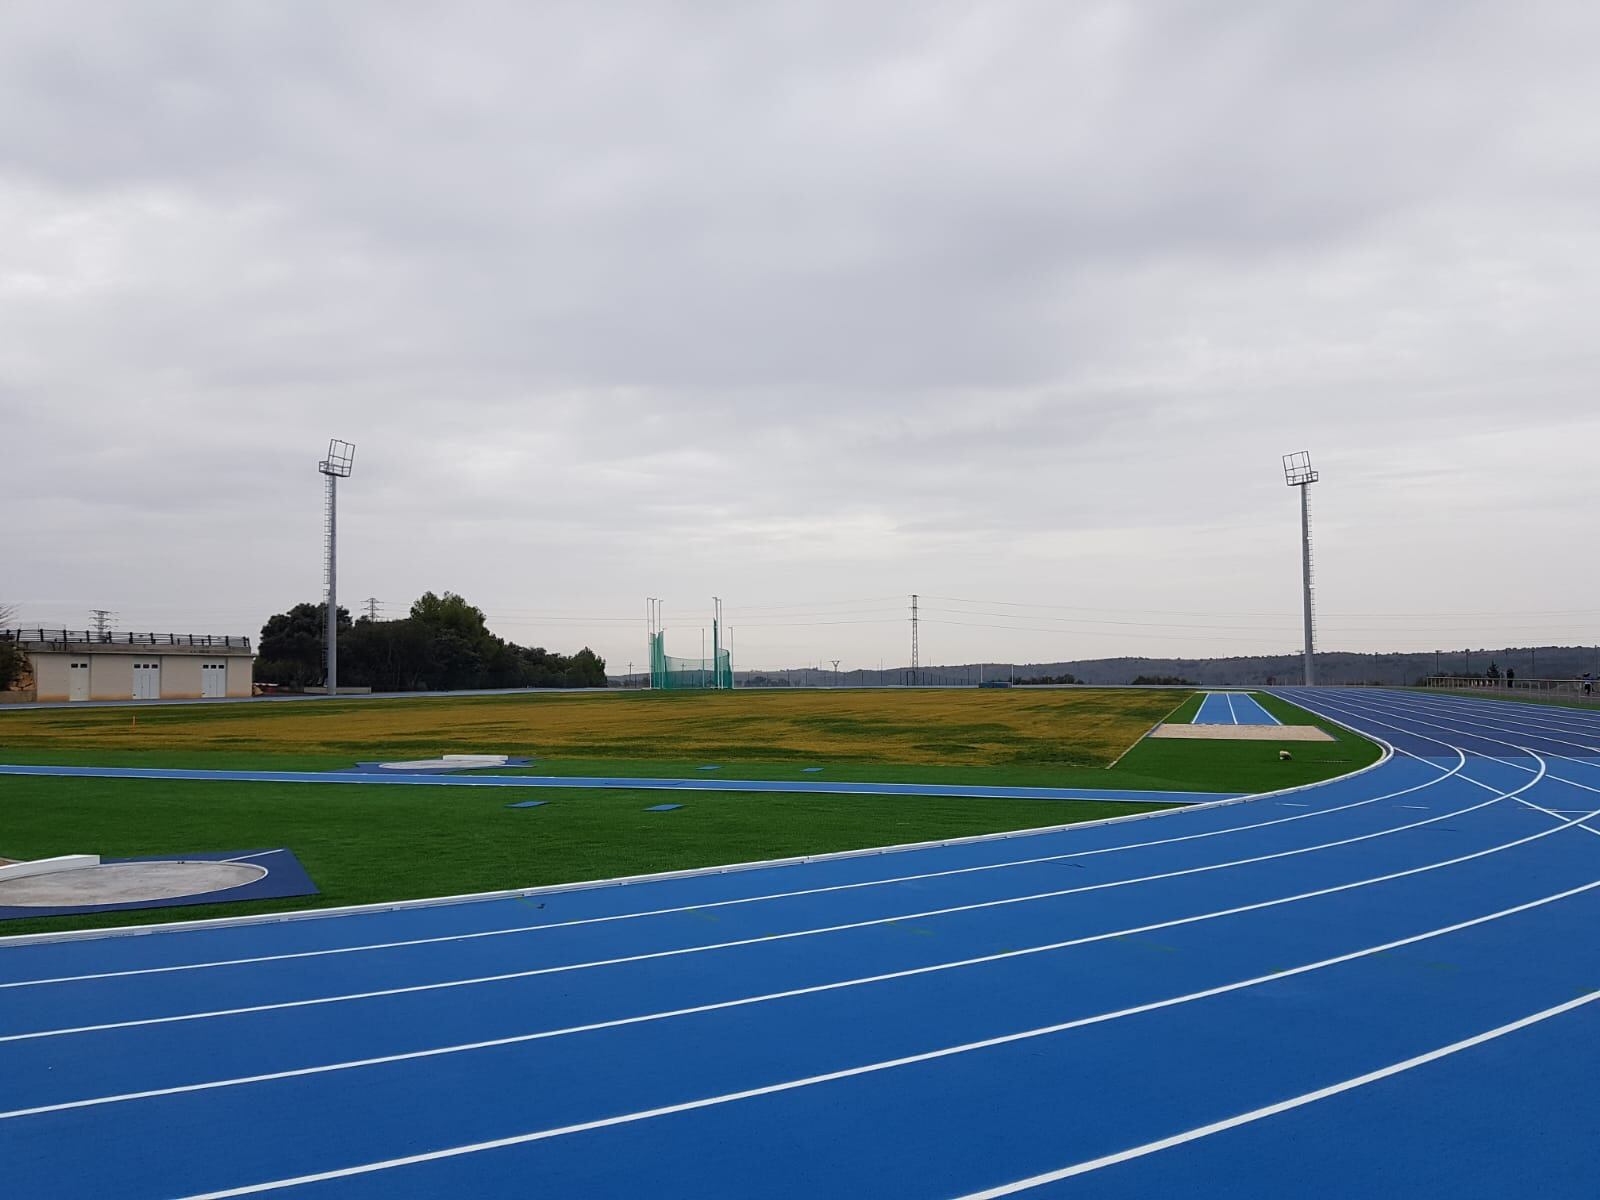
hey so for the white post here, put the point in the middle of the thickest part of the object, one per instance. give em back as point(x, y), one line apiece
point(1305, 572)
point(333, 586)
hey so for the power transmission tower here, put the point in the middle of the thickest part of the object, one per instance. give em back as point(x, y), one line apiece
point(835, 663)
point(373, 604)
point(914, 650)
point(102, 623)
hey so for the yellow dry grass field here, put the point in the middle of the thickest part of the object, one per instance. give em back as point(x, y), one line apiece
point(972, 727)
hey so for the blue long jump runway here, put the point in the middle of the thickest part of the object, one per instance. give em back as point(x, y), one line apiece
point(1384, 985)
point(1233, 708)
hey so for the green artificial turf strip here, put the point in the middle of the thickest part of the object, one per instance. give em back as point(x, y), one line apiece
point(374, 843)
point(1251, 766)
point(1154, 766)
point(1186, 712)
point(369, 843)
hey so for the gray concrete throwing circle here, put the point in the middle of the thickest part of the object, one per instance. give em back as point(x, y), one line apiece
point(126, 883)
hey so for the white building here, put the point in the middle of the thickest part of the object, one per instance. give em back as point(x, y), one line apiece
point(70, 664)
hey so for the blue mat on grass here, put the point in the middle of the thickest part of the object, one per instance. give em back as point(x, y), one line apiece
point(377, 768)
point(663, 807)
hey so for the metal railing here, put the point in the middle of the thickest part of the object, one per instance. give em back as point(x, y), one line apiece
point(1582, 688)
point(89, 637)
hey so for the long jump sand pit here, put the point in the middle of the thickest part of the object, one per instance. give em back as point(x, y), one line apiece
point(125, 883)
point(1244, 733)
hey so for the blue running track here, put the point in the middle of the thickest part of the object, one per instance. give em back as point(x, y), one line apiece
point(1380, 986)
point(699, 783)
point(1233, 708)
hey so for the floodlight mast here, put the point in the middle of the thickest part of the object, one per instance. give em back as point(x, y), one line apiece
point(1298, 472)
point(338, 465)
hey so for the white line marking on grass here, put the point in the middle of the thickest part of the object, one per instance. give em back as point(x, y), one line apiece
point(1264, 709)
point(711, 904)
point(518, 1039)
point(780, 937)
point(1272, 1110)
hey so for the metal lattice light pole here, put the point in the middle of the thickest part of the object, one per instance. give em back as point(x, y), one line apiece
point(341, 459)
point(1298, 472)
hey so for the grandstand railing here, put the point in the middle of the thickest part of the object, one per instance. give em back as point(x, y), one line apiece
point(80, 637)
point(1564, 688)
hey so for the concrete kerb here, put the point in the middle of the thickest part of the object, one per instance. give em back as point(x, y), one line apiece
point(47, 866)
point(308, 914)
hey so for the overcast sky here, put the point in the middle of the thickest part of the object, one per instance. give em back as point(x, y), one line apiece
point(809, 306)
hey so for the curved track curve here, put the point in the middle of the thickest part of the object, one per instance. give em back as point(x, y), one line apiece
point(1380, 985)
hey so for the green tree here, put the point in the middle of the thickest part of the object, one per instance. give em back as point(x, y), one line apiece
point(451, 612)
point(443, 645)
point(291, 645)
point(14, 667)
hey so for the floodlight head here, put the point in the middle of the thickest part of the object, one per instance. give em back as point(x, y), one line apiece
point(1297, 470)
point(341, 458)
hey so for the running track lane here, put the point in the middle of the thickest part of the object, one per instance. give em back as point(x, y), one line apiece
point(1382, 985)
point(839, 787)
point(1233, 708)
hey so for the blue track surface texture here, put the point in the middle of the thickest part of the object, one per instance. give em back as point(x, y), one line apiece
point(1381, 986)
point(1233, 708)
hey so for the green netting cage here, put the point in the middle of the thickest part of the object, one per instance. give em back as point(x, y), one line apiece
point(684, 674)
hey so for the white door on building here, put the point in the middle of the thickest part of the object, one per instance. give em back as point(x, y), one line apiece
point(78, 679)
point(213, 680)
point(147, 680)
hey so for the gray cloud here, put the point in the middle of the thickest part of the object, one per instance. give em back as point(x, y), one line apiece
point(799, 303)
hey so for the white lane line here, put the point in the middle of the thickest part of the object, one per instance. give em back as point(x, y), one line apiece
point(1479, 722)
point(248, 857)
point(413, 989)
point(1412, 714)
point(1558, 813)
point(1265, 710)
point(1292, 804)
point(908, 1060)
point(1460, 764)
point(1269, 1110)
point(1523, 719)
point(1233, 716)
point(519, 1039)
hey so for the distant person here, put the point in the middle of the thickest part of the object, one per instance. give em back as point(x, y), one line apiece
point(1511, 678)
point(1588, 685)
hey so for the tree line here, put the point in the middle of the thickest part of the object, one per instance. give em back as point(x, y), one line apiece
point(13, 662)
point(443, 644)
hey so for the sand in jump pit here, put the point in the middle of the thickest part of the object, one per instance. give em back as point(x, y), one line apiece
point(1244, 733)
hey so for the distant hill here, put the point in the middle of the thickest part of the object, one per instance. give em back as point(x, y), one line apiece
point(1545, 662)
